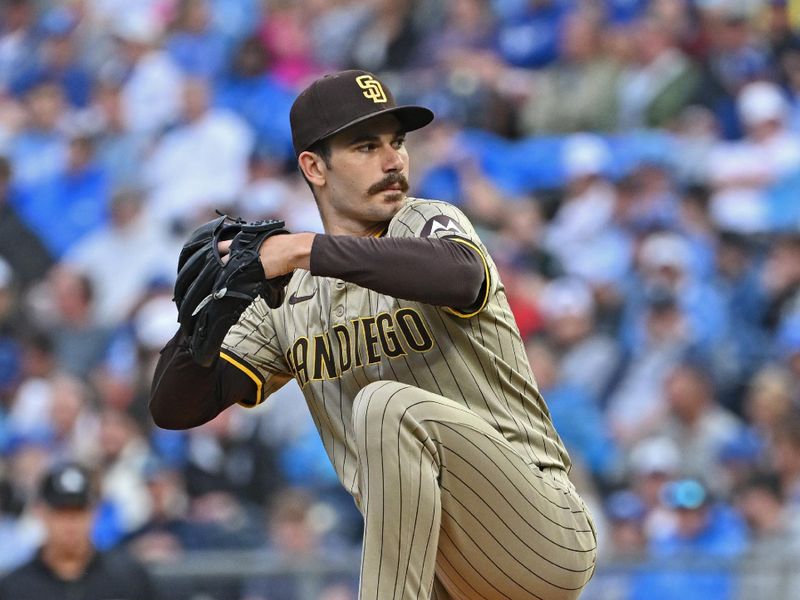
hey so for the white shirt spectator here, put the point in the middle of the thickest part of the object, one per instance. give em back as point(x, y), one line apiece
point(581, 224)
point(699, 444)
point(151, 97)
point(199, 165)
point(636, 406)
point(740, 171)
point(32, 400)
point(148, 255)
point(124, 486)
point(106, 12)
point(639, 86)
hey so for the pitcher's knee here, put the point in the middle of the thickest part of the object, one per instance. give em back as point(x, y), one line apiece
point(381, 401)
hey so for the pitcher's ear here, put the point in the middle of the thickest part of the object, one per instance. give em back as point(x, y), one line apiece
point(313, 167)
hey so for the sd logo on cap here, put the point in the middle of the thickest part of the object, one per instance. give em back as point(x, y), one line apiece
point(338, 100)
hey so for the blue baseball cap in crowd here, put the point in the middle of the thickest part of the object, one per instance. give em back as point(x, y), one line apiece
point(687, 494)
point(625, 505)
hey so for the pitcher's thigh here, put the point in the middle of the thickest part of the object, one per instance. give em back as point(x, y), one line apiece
point(508, 530)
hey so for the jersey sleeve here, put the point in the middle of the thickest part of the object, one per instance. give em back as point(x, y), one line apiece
point(252, 347)
point(435, 219)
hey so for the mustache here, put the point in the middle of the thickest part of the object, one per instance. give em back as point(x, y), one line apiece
point(388, 181)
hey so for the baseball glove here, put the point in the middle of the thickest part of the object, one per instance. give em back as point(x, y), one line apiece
point(211, 294)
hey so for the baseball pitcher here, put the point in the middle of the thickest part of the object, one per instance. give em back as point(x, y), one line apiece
point(395, 325)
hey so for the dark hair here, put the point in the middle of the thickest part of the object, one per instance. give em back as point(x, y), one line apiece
point(86, 287)
point(788, 429)
point(251, 58)
point(5, 169)
point(789, 239)
point(765, 481)
point(321, 148)
point(697, 193)
point(39, 340)
point(697, 370)
point(734, 239)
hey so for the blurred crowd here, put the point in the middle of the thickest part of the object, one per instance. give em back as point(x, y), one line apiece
point(632, 165)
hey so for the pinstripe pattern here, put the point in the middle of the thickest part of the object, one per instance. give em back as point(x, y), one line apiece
point(481, 505)
point(502, 527)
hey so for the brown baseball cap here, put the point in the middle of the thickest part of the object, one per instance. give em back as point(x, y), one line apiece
point(337, 100)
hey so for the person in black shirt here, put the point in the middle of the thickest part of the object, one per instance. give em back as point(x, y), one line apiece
point(20, 246)
point(67, 565)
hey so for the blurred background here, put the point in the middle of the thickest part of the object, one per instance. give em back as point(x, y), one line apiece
point(632, 165)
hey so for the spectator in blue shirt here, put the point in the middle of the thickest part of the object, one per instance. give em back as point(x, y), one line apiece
point(73, 202)
point(57, 60)
point(39, 149)
point(665, 260)
point(195, 46)
point(736, 280)
point(704, 529)
point(574, 412)
point(257, 97)
point(18, 38)
point(531, 39)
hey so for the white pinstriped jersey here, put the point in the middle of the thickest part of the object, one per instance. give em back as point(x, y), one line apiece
point(335, 337)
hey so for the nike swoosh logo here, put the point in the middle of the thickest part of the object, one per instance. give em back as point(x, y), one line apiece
point(295, 299)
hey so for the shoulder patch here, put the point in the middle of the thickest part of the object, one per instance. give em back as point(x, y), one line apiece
point(440, 223)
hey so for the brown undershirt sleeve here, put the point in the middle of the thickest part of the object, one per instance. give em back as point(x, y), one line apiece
point(430, 270)
point(185, 395)
point(433, 271)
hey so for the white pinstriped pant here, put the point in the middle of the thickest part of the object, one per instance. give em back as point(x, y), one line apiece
point(453, 512)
